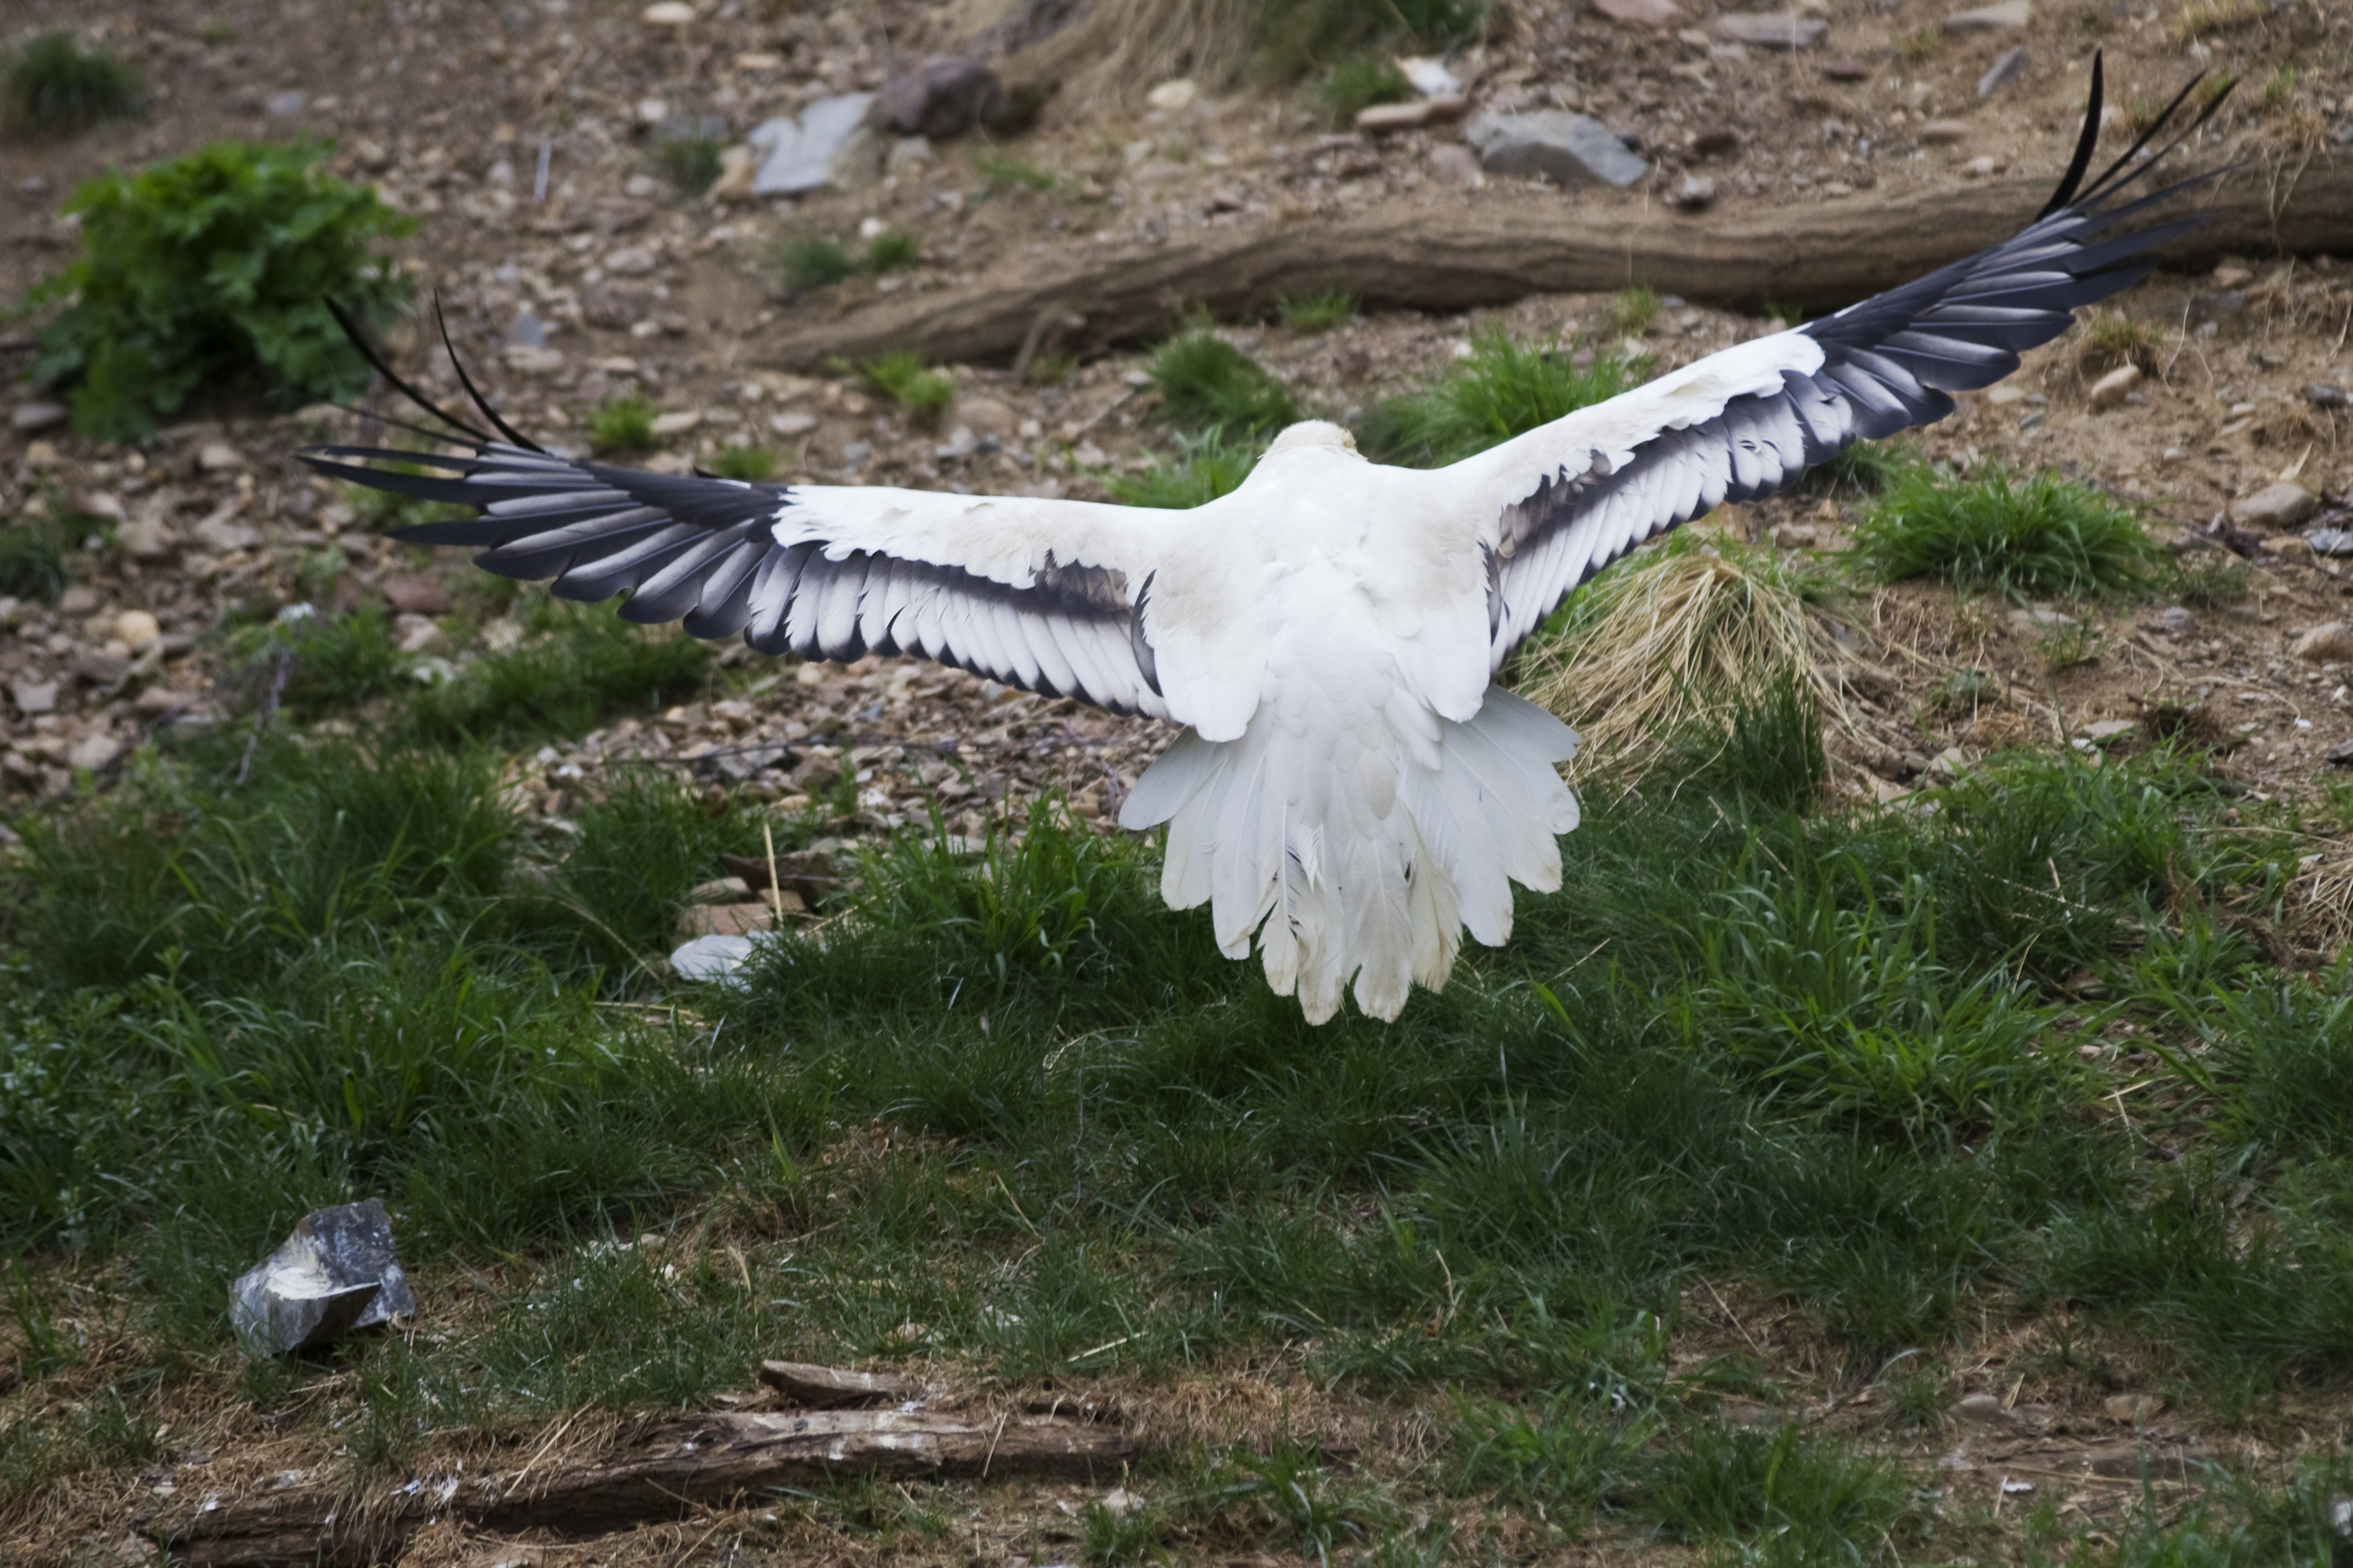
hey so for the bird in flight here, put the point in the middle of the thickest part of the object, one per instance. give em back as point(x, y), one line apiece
point(1351, 788)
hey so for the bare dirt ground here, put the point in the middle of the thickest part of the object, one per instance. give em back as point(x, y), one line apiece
point(445, 107)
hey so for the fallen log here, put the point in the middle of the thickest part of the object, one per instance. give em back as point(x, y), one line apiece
point(711, 1459)
point(1467, 254)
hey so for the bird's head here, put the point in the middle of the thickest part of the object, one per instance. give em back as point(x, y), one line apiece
point(1318, 434)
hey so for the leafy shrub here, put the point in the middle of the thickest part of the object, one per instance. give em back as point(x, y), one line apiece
point(624, 423)
point(812, 261)
point(1507, 387)
point(50, 87)
point(1993, 530)
point(211, 272)
point(1212, 387)
point(900, 376)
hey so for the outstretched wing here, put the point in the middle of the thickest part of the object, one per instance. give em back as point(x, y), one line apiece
point(1048, 595)
point(1575, 495)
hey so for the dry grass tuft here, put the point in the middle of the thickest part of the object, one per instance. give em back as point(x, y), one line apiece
point(2320, 899)
point(1685, 638)
point(1115, 54)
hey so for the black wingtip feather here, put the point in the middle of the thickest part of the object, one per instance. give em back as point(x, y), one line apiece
point(489, 413)
point(376, 362)
point(2086, 143)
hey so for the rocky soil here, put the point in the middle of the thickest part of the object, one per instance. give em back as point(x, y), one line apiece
point(597, 281)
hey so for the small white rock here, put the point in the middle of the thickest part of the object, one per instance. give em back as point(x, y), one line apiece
point(137, 629)
point(668, 14)
point(2108, 392)
point(1170, 97)
point(677, 422)
point(217, 456)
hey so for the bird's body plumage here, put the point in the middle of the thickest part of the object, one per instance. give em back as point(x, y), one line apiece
point(1351, 790)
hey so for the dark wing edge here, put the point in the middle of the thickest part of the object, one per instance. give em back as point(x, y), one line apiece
point(703, 551)
point(1889, 363)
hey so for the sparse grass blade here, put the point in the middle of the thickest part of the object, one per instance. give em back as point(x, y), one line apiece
point(812, 261)
point(1313, 313)
point(901, 376)
point(582, 664)
point(622, 425)
point(1206, 466)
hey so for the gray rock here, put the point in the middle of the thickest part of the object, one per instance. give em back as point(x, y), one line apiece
point(2320, 395)
point(527, 331)
point(1773, 30)
point(945, 96)
point(2283, 505)
point(33, 697)
point(225, 533)
point(1994, 18)
point(830, 144)
point(1567, 149)
point(337, 1273)
point(284, 105)
point(31, 416)
point(2004, 71)
point(2330, 541)
point(2174, 620)
point(1698, 191)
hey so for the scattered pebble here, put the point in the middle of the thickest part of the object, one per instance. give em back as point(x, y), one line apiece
point(2282, 505)
point(2109, 391)
point(1773, 30)
point(2000, 17)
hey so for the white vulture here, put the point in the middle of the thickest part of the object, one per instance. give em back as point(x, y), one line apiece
point(1351, 788)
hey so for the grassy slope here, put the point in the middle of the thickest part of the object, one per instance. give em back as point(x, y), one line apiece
point(1820, 1058)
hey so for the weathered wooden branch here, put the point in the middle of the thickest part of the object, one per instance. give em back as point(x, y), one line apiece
point(708, 1461)
point(826, 1387)
point(1453, 258)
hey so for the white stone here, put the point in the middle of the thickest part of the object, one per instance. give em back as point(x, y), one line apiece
point(677, 421)
point(1995, 19)
point(1772, 29)
point(223, 533)
point(32, 416)
point(1171, 96)
point(668, 14)
point(33, 697)
point(830, 144)
point(631, 261)
point(1429, 76)
point(792, 422)
point(217, 456)
point(137, 629)
point(92, 752)
point(2108, 392)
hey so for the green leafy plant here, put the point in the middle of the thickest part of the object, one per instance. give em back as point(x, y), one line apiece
point(893, 249)
point(210, 272)
point(51, 86)
point(900, 376)
point(1208, 385)
point(1508, 385)
point(622, 423)
point(2041, 536)
point(1316, 312)
point(812, 261)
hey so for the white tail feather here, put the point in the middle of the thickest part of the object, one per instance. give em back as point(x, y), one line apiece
point(1357, 845)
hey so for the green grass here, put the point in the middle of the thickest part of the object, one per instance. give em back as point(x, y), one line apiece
point(1296, 37)
point(743, 460)
point(51, 86)
point(811, 261)
point(33, 558)
point(622, 424)
point(1205, 468)
point(1836, 1063)
point(334, 662)
point(893, 250)
point(580, 664)
point(901, 376)
point(1209, 387)
point(1003, 171)
point(691, 163)
point(1359, 82)
point(1314, 313)
point(2206, 580)
point(1508, 386)
point(1629, 313)
point(1995, 531)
